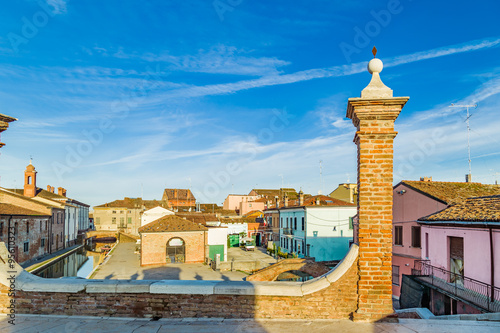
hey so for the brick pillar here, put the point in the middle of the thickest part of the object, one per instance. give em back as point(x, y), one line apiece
point(373, 115)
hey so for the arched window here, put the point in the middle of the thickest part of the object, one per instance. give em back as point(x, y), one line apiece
point(176, 250)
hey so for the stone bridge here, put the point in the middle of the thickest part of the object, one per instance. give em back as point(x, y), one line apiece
point(272, 272)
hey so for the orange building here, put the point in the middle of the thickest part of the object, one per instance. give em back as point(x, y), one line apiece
point(179, 199)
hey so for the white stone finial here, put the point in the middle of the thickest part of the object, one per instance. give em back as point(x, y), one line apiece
point(375, 66)
point(376, 88)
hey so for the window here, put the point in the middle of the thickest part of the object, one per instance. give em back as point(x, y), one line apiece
point(281, 223)
point(26, 246)
point(113, 220)
point(303, 224)
point(129, 220)
point(398, 235)
point(287, 223)
point(295, 223)
point(121, 211)
point(395, 275)
point(415, 237)
point(351, 223)
point(1, 229)
point(114, 212)
point(42, 242)
point(40, 226)
point(130, 212)
point(27, 227)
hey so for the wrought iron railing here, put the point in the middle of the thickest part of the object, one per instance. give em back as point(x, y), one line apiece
point(481, 294)
point(287, 231)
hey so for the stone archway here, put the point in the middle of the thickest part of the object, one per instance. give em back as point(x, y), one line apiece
point(176, 251)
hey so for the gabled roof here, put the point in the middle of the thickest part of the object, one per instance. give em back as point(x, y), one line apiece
point(133, 203)
point(202, 218)
point(14, 193)
point(326, 201)
point(271, 193)
point(8, 209)
point(451, 192)
point(480, 209)
point(171, 223)
point(42, 194)
point(178, 194)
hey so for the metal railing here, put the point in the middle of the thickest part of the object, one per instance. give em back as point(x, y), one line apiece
point(473, 291)
point(287, 231)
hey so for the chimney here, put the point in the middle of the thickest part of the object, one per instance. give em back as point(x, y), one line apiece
point(426, 179)
point(277, 202)
point(318, 202)
point(60, 190)
point(64, 192)
point(301, 198)
point(52, 189)
point(468, 178)
point(175, 193)
point(48, 188)
point(285, 200)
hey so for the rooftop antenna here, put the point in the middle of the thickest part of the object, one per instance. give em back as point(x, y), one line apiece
point(321, 175)
point(467, 106)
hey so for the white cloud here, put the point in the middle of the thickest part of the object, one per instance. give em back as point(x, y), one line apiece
point(220, 59)
point(58, 5)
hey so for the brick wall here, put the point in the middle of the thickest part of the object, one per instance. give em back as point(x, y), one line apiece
point(338, 301)
point(154, 245)
point(38, 230)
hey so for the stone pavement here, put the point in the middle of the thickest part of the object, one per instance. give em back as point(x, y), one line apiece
point(124, 264)
point(75, 324)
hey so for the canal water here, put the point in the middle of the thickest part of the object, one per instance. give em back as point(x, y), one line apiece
point(78, 264)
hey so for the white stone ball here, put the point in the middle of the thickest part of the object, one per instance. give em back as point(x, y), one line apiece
point(375, 66)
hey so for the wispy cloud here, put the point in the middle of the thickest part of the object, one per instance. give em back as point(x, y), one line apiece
point(335, 71)
point(58, 5)
point(220, 59)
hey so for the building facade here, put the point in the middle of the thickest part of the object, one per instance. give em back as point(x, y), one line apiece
point(25, 232)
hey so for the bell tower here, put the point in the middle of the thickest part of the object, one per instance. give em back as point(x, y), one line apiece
point(30, 181)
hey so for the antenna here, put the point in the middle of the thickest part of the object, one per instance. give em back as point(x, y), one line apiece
point(468, 129)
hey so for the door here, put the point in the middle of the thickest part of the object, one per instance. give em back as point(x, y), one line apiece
point(457, 260)
point(216, 249)
point(176, 251)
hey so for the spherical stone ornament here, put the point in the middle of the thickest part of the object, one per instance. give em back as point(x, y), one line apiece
point(375, 66)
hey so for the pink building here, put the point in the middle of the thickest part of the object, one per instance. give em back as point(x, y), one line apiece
point(414, 200)
point(233, 201)
point(462, 244)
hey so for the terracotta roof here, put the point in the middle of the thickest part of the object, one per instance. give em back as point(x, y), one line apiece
point(237, 220)
point(452, 192)
point(41, 193)
point(480, 209)
point(133, 203)
point(180, 194)
point(271, 193)
point(8, 209)
point(171, 223)
point(198, 217)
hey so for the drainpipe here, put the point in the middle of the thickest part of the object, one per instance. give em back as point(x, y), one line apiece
point(8, 234)
point(492, 265)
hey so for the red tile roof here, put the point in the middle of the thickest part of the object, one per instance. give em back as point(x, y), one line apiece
point(177, 194)
point(171, 223)
point(452, 192)
point(480, 209)
point(202, 218)
point(133, 203)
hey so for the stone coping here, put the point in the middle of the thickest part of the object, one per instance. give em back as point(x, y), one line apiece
point(24, 281)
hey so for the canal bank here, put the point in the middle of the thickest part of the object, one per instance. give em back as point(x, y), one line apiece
point(34, 267)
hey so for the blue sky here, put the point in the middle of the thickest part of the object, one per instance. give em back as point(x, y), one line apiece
point(125, 98)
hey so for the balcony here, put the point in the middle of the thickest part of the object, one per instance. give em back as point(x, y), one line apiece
point(287, 231)
point(475, 292)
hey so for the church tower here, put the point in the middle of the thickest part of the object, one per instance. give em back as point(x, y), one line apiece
point(30, 181)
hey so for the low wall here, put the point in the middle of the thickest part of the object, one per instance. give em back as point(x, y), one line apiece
point(330, 296)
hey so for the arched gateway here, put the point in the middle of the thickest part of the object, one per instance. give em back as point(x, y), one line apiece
point(360, 287)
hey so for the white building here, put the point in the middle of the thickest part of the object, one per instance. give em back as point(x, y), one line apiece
point(153, 214)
